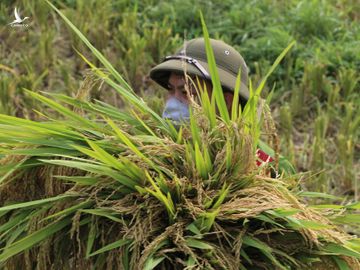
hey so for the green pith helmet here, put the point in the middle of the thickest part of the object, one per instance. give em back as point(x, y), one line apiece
point(192, 58)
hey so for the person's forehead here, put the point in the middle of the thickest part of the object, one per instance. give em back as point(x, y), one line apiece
point(177, 72)
point(175, 77)
point(181, 73)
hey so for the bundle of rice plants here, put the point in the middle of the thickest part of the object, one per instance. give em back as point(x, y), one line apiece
point(129, 190)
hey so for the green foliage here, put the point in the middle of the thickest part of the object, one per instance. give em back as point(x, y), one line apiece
point(141, 194)
point(135, 35)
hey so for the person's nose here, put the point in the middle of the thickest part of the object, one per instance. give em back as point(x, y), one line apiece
point(178, 82)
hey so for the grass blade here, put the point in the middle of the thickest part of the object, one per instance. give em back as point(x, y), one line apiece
point(32, 239)
point(111, 246)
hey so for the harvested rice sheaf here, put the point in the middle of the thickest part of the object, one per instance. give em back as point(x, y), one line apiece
point(138, 201)
point(129, 190)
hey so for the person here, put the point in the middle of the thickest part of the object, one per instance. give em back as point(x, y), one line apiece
point(189, 64)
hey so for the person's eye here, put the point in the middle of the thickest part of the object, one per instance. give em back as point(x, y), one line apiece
point(170, 87)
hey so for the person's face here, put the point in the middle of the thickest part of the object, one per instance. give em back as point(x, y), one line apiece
point(179, 86)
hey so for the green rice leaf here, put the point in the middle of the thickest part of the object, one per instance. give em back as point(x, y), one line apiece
point(334, 248)
point(65, 111)
point(125, 139)
point(207, 105)
point(206, 220)
point(152, 262)
point(195, 131)
point(147, 128)
point(269, 220)
point(235, 104)
point(245, 256)
point(36, 202)
point(327, 206)
point(263, 248)
point(10, 169)
point(275, 64)
point(104, 213)
point(14, 221)
point(253, 242)
point(288, 257)
point(200, 163)
point(112, 112)
point(307, 224)
point(111, 246)
point(217, 89)
point(348, 219)
point(90, 239)
point(14, 233)
point(207, 160)
point(340, 263)
point(166, 200)
point(95, 168)
point(18, 125)
point(70, 210)
point(355, 206)
point(353, 244)
point(42, 151)
point(106, 157)
point(192, 227)
point(195, 243)
point(132, 98)
point(285, 212)
point(229, 154)
point(222, 195)
point(312, 194)
point(179, 138)
point(190, 261)
point(80, 180)
point(99, 56)
point(33, 239)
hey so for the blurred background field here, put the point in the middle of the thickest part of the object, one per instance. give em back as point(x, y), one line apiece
point(316, 96)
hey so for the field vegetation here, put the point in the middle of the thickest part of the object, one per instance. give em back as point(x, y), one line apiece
point(75, 129)
point(315, 100)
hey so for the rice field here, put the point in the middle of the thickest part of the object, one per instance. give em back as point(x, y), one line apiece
point(80, 126)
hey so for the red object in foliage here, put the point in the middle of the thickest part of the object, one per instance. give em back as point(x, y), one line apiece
point(262, 157)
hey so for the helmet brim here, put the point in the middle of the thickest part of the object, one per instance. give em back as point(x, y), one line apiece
point(160, 74)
